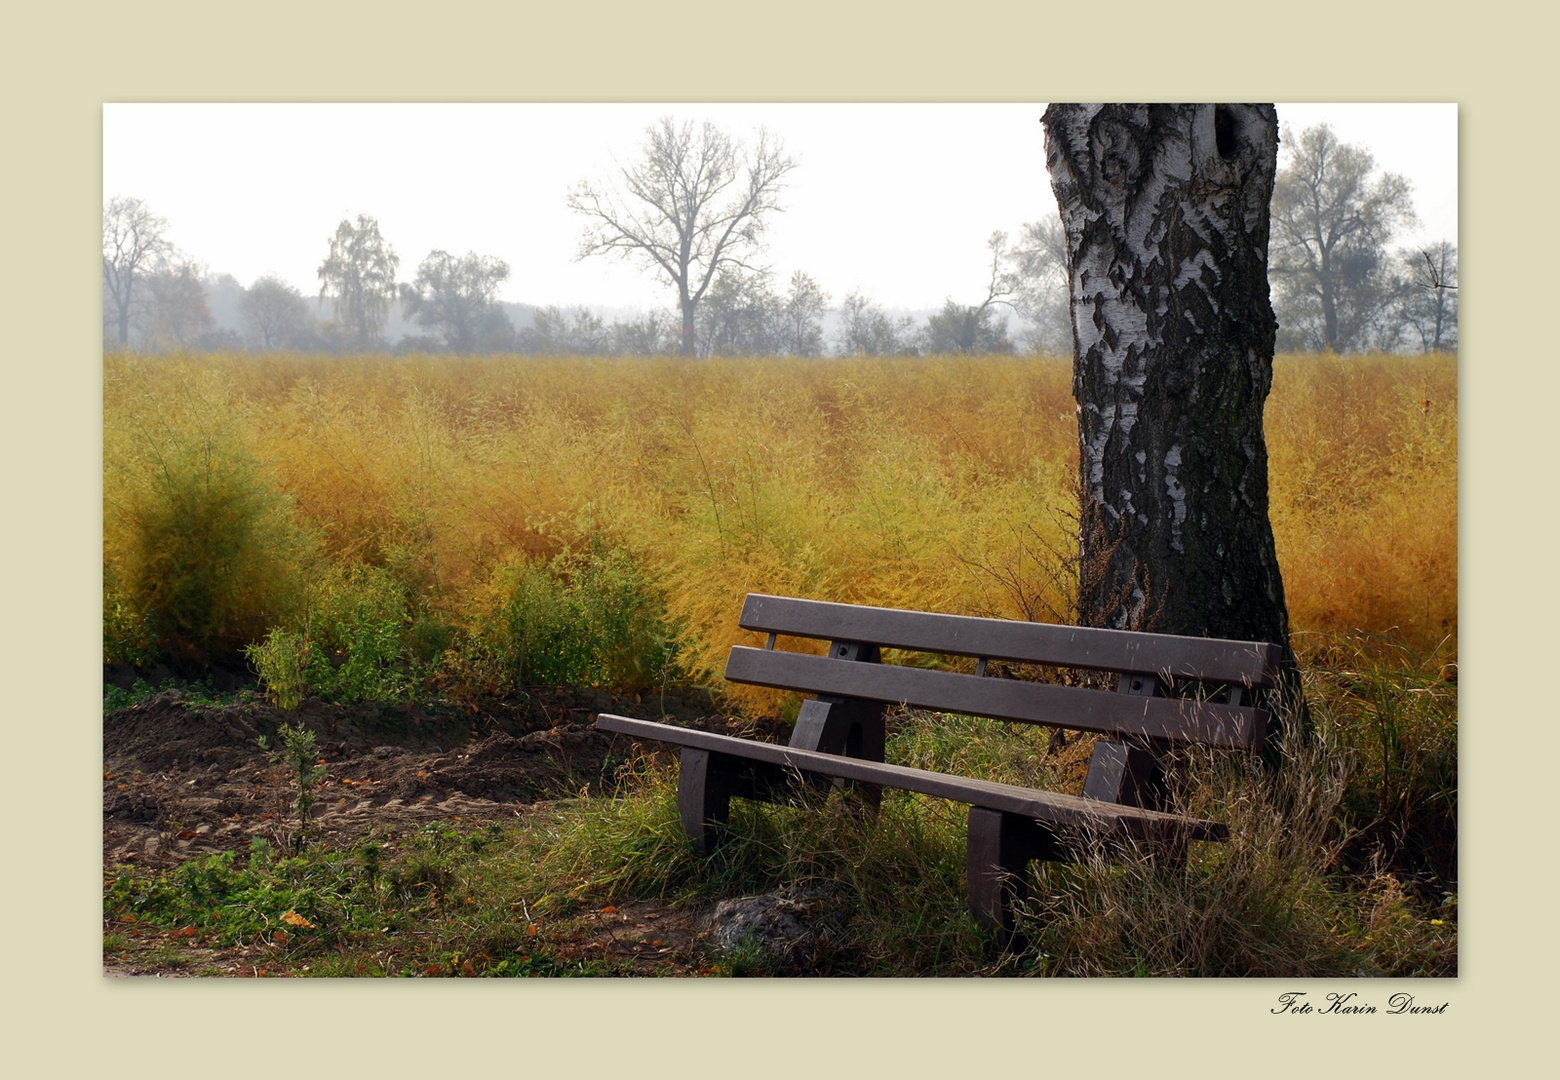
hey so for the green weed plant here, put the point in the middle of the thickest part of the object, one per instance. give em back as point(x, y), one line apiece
point(297, 756)
point(282, 663)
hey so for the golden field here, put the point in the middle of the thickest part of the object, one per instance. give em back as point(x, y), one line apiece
point(935, 483)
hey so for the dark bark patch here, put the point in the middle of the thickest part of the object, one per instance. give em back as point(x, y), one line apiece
point(1224, 133)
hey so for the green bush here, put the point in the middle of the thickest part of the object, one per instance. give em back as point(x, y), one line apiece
point(888, 886)
point(129, 634)
point(206, 552)
point(282, 662)
point(358, 625)
point(586, 618)
point(357, 642)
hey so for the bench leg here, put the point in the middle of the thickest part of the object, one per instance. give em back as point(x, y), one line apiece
point(1168, 854)
point(706, 784)
point(1124, 774)
point(1132, 776)
point(850, 727)
point(997, 861)
point(703, 798)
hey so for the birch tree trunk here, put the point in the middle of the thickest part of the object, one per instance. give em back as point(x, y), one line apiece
point(1166, 213)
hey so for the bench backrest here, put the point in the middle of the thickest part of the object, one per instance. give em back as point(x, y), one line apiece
point(1152, 666)
point(1234, 663)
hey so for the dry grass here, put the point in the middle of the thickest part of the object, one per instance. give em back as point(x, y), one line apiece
point(934, 483)
point(1363, 482)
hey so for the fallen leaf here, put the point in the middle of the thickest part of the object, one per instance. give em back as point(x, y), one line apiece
point(608, 910)
point(292, 918)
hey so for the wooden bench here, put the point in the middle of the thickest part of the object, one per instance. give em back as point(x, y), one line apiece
point(1169, 691)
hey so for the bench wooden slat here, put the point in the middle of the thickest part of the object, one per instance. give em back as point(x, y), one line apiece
point(1227, 726)
point(1213, 659)
point(1067, 810)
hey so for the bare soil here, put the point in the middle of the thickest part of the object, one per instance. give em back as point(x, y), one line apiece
point(183, 779)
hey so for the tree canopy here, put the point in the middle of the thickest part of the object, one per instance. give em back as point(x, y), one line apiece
point(1333, 218)
point(358, 276)
point(455, 297)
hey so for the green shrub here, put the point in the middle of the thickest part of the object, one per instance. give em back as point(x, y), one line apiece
point(357, 642)
point(205, 552)
point(887, 887)
point(129, 634)
point(586, 618)
point(282, 662)
point(117, 697)
point(358, 626)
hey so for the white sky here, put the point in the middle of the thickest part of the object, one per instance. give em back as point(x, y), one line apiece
point(896, 200)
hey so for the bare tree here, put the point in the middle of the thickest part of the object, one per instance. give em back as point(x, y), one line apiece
point(969, 328)
point(1331, 223)
point(1040, 284)
point(133, 247)
point(1429, 304)
point(695, 205)
point(558, 332)
point(802, 318)
point(359, 277)
point(740, 316)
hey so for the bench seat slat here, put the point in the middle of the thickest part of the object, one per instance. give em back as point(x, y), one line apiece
point(1057, 809)
point(1225, 726)
point(1212, 659)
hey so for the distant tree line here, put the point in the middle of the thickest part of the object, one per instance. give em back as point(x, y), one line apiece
point(693, 212)
point(1337, 283)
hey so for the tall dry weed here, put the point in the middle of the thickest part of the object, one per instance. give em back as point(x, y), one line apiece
point(203, 552)
point(1256, 905)
point(928, 483)
point(1363, 466)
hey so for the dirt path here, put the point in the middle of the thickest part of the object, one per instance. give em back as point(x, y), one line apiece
point(183, 779)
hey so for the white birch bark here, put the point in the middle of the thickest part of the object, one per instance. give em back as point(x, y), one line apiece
point(1166, 208)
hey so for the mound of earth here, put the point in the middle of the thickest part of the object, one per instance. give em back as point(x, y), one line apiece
point(182, 778)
